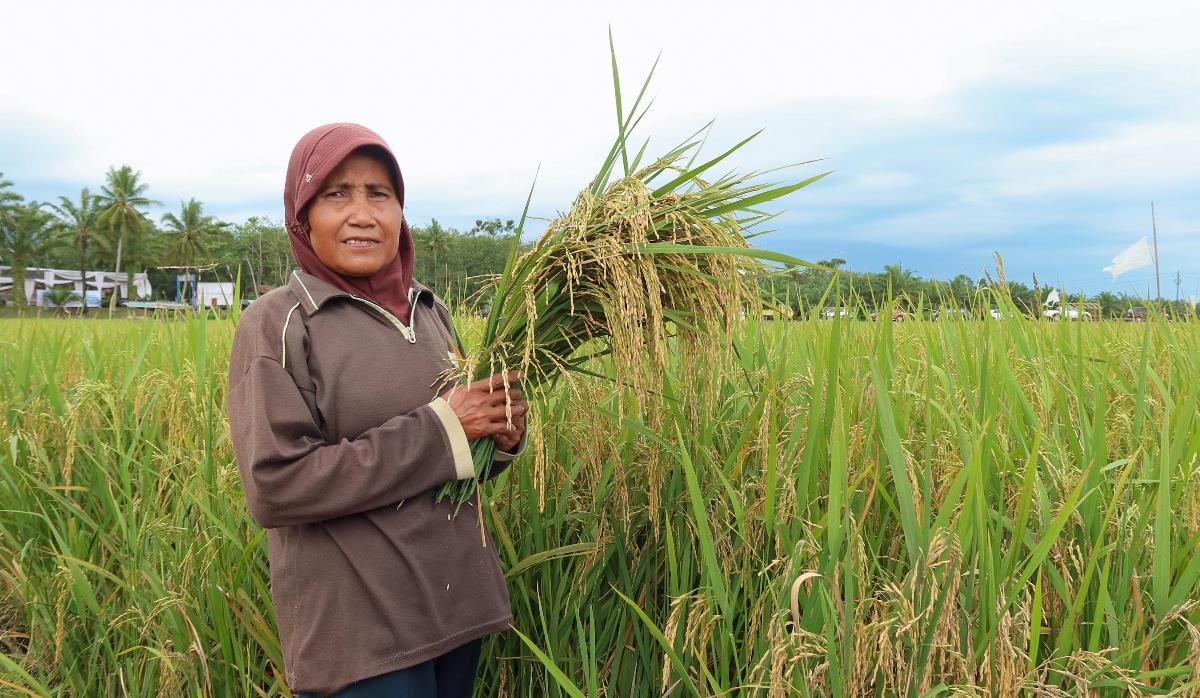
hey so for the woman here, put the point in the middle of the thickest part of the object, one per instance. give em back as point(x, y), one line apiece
point(342, 429)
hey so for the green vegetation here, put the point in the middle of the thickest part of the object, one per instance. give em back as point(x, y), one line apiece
point(23, 237)
point(801, 289)
point(86, 233)
point(843, 508)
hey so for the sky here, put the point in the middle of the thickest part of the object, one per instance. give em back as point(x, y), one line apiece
point(954, 131)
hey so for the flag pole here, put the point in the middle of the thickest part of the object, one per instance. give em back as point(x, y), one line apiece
point(1157, 275)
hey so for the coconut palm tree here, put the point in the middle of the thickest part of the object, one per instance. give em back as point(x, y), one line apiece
point(8, 198)
point(1111, 305)
point(188, 234)
point(962, 289)
point(9, 201)
point(77, 221)
point(24, 238)
point(122, 199)
point(900, 279)
point(438, 238)
point(143, 249)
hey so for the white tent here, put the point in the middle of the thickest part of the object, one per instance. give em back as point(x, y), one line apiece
point(96, 281)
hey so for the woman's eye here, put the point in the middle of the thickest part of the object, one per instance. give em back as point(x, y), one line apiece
point(333, 194)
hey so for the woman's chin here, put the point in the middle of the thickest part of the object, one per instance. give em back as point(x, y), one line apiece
point(359, 265)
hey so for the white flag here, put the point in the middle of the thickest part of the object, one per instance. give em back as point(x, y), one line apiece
point(1135, 256)
point(1053, 298)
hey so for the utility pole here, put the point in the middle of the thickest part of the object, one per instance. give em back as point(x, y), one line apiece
point(1178, 284)
point(1157, 275)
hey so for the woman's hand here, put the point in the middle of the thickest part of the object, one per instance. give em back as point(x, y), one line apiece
point(508, 440)
point(480, 407)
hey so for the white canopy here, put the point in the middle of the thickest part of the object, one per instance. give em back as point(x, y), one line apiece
point(40, 277)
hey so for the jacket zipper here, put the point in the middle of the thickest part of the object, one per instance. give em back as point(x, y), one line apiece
point(409, 332)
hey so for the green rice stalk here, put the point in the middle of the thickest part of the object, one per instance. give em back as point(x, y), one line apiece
point(655, 254)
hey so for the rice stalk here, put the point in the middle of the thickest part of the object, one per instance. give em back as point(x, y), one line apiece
point(633, 264)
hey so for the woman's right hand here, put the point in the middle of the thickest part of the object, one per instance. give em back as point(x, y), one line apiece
point(480, 406)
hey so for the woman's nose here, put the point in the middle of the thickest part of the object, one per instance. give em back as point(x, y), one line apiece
point(360, 213)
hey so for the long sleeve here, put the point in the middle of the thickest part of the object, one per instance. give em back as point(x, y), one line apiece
point(291, 475)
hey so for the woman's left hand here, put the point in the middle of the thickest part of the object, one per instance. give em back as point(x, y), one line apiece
point(507, 441)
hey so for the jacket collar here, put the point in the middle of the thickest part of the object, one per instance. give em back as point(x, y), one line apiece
point(313, 292)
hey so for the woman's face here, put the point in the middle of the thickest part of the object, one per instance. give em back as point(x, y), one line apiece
point(355, 218)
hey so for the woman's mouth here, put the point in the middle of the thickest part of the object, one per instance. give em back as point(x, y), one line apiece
point(360, 242)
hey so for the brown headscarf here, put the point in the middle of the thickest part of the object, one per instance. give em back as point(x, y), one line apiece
point(314, 157)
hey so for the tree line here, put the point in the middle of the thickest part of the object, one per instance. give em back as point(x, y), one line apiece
point(111, 229)
point(800, 289)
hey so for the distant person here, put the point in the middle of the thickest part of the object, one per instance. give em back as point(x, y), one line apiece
point(343, 430)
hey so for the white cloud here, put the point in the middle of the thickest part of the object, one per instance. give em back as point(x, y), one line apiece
point(1139, 158)
point(209, 98)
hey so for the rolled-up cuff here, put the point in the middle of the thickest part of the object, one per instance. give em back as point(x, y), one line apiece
point(460, 448)
point(505, 456)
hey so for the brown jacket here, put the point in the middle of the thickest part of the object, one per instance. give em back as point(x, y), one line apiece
point(340, 439)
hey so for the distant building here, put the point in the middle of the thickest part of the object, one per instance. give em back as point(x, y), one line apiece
point(214, 294)
point(203, 294)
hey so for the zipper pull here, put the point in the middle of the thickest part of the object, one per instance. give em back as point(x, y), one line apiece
point(412, 315)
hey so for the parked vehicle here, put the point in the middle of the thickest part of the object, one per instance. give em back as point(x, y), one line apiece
point(1138, 314)
point(1055, 309)
point(1068, 314)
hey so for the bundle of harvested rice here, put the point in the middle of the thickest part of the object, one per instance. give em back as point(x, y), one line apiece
point(655, 253)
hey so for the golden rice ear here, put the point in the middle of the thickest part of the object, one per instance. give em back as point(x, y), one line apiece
point(642, 265)
point(595, 284)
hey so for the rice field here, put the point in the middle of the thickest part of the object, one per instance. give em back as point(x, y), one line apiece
point(836, 508)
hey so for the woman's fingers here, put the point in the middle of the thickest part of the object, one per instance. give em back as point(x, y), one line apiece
point(510, 434)
point(516, 409)
point(493, 388)
point(480, 419)
point(496, 381)
point(498, 397)
point(492, 396)
point(485, 408)
point(518, 424)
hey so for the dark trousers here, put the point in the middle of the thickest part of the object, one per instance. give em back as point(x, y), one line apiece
point(451, 675)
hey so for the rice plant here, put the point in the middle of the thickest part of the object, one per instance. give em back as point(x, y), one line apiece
point(639, 258)
point(847, 508)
